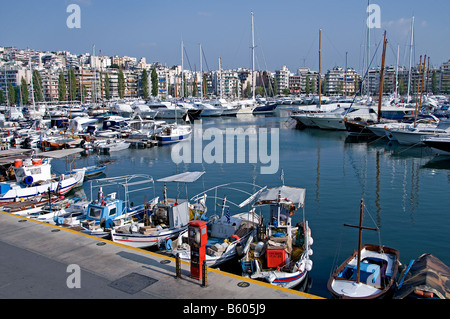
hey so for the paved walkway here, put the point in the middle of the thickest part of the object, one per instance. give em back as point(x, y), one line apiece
point(43, 261)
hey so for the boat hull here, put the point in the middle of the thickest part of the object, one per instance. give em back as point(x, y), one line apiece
point(268, 108)
point(439, 145)
point(138, 240)
point(58, 187)
point(342, 284)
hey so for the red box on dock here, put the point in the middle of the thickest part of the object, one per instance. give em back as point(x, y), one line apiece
point(275, 257)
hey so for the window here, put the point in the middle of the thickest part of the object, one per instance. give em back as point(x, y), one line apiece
point(95, 212)
point(112, 211)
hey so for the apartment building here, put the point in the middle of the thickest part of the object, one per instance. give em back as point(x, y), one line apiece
point(282, 78)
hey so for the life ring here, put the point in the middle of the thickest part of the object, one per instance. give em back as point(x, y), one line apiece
point(235, 237)
point(28, 180)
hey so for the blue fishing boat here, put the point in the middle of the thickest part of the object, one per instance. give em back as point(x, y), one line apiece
point(107, 211)
point(94, 170)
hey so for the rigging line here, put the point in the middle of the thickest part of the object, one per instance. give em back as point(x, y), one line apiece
point(187, 57)
point(337, 253)
point(362, 81)
point(204, 58)
point(332, 44)
point(376, 225)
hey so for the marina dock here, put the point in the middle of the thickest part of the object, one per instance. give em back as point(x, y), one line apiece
point(43, 261)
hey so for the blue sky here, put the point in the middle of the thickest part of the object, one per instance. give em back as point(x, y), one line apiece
point(286, 31)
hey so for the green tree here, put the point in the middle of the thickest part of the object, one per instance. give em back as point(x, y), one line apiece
point(434, 87)
point(275, 87)
point(259, 91)
point(154, 78)
point(324, 86)
point(205, 85)
point(313, 85)
point(84, 92)
point(37, 86)
point(194, 88)
point(2, 97)
point(24, 89)
point(401, 87)
point(307, 86)
point(17, 95)
point(248, 90)
point(106, 88)
point(121, 84)
point(185, 86)
point(145, 84)
point(73, 85)
point(11, 94)
point(61, 87)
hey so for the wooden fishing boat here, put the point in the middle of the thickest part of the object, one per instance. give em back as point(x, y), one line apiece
point(167, 220)
point(426, 277)
point(34, 178)
point(280, 256)
point(228, 234)
point(369, 273)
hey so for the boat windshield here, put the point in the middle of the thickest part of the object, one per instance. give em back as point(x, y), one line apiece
point(95, 212)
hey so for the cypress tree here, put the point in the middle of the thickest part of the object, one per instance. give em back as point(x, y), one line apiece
point(61, 87)
point(106, 88)
point(154, 77)
point(24, 89)
point(37, 86)
point(11, 94)
point(121, 84)
point(145, 84)
point(73, 85)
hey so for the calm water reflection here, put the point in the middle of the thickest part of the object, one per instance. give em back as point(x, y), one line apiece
point(405, 190)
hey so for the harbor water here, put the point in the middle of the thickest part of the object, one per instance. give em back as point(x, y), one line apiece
point(404, 189)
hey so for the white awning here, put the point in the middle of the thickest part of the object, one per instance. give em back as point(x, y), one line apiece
point(270, 195)
point(60, 153)
point(187, 177)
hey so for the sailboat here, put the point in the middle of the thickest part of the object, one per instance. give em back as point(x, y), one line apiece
point(359, 127)
point(369, 273)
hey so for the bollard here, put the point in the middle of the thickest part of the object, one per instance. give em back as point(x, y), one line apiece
point(178, 266)
point(204, 272)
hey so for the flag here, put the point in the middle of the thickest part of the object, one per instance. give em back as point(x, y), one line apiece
point(227, 215)
point(282, 176)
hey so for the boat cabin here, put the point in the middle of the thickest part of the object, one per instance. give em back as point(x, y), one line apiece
point(29, 171)
point(104, 209)
point(171, 213)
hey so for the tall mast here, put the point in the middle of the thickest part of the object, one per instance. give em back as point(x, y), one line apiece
point(201, 74)
point(320, 67)
point(360, 227)
point(220, 77)
point(32, 86)
point(417, 92)
point(380, 96)
point(368, 53)
point(182, 67)
point(95, 74)
point(410, 59)
point(253, 59)
point(396, 73)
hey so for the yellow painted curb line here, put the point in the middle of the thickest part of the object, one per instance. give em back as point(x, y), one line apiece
point(257, 282)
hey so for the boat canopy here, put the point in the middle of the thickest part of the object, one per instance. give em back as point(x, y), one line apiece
point(186, 177)
point(271, 195)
